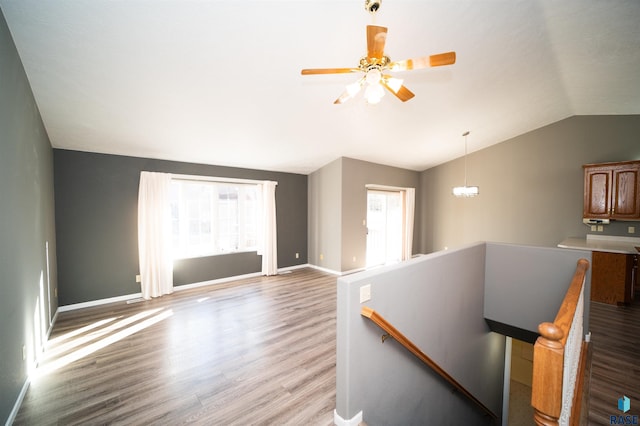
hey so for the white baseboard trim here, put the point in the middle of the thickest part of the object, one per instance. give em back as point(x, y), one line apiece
point(338, 273)
point(53, 322)
point(176, 288)
point(16, 406)
point(293, 268)
point(217, 281)
point(98, 302)
point(352, 271)
point(327, 270)
point(236, 277)
point(27, 382)
point(354, 421)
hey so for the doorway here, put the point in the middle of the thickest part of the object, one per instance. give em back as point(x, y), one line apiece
point(385, 224)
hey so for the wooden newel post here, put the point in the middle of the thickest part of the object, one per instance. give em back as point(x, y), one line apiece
point(546, 389)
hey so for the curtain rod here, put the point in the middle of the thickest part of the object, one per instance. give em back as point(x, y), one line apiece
point(374, 186)
point(217, 179)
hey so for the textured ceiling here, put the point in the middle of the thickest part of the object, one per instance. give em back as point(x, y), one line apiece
point(218, 81)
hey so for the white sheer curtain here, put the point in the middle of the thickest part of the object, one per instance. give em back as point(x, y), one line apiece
point(154, 234)
point(267, 242)
point(409, 210)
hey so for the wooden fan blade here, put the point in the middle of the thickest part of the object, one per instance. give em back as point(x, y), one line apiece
point(394, 85)
point(352, 90)
point(404, 94)
point(376, 38)
point(440, 59)
point(409, 64)
point(329, 71)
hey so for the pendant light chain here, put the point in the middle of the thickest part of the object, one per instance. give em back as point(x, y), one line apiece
point(465, 134)
point(466, 190)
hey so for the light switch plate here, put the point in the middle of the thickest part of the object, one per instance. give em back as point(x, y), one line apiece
point(365, 293)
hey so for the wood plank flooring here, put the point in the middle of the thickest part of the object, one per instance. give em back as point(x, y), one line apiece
point(615, 366)
point(254, 351)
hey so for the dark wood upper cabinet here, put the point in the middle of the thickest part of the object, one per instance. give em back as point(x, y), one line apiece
point(612, 191)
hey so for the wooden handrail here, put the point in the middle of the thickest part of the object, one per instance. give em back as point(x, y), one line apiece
point(408, 344)
point(564, 318)
point(548, 354)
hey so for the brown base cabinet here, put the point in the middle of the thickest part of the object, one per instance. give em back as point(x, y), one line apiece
point(613, 277)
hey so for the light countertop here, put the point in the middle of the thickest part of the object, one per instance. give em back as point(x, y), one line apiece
point(606, 243)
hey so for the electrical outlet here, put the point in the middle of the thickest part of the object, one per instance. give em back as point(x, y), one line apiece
point(24, 352)
point(354, 258)
point(632, 229)
point(600, 228)
point(297, 255)
point(365, 293)
point(321, 256)
point(594, 228)
point(138, 278)
point(55, 292)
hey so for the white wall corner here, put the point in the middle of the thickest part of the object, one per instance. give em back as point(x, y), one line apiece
point(354, 421)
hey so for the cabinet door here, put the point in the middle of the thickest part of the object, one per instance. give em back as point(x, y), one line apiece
point(610, 277)
point(597, 192)
point(625, 198)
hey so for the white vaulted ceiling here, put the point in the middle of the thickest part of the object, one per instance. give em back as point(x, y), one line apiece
point(218, 81)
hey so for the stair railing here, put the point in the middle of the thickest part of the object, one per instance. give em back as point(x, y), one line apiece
point(559, 357)
point(391, 331)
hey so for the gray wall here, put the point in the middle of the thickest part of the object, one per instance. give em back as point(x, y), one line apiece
point(438, 305)
point(525, 285)
point(338, 206)
point(27, 285)
point(355, 175)
point(440, 302)
point(531, 186)
point(325, 216)
point(96, 223)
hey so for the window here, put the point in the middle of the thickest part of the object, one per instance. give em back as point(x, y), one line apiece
point(209, 218)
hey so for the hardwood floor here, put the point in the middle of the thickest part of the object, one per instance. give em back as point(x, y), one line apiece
point(615, 367)
point(255, 351)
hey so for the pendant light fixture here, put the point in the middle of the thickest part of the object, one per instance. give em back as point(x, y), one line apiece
point(465, 191)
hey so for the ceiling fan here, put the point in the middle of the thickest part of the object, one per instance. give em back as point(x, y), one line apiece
point(375, 63)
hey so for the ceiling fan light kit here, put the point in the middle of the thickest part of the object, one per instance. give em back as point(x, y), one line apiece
point(375, 63)
point(372, 6)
